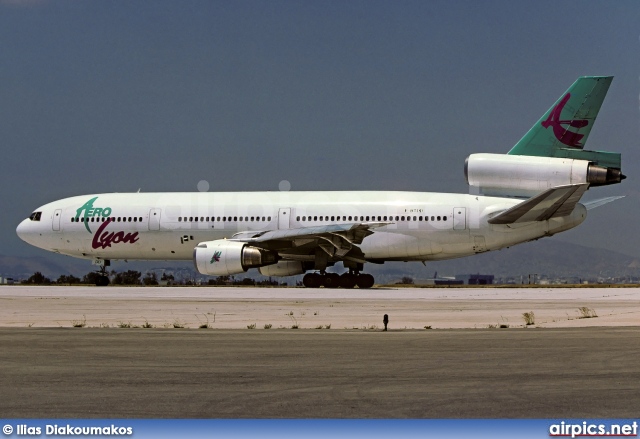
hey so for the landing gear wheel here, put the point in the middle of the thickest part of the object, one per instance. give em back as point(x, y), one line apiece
point(312, 280)
point(102, 281)
point(331, 280)
point(348, 280)
point(365, 281)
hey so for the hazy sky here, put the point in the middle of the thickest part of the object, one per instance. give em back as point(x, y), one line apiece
point(112, 96)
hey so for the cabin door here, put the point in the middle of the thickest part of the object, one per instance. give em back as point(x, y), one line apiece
point(56, 220)
point(284, 218)
point(154, 219)
point(459, 218)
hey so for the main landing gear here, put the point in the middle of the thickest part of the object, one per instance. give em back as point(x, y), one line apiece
point(334, 280)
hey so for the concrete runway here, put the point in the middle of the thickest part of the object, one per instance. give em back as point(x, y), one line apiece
point(169, 373)
point(564, 367)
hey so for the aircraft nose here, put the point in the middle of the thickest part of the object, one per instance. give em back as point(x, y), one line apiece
point(23, 230)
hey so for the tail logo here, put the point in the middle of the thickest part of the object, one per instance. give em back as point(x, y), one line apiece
point(563, 134)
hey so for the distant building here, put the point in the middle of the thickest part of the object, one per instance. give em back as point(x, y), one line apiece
point(475, 279)
point(6, 281)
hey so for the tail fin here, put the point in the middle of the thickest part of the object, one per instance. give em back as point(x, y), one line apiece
point(564, 129)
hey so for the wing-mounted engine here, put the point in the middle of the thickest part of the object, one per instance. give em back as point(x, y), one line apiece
point(224, 258)
point(525, 176)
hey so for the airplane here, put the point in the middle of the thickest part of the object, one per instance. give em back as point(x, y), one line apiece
point(531, 192)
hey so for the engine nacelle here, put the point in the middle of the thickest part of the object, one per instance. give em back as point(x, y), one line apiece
point(517, 175)
point(282, 268)
point(224, 258)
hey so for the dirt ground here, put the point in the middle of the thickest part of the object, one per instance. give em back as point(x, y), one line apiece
point(239, 308)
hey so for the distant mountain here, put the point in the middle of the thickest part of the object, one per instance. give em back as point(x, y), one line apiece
point(22, 267)
point(548, 257)
point(52, 266)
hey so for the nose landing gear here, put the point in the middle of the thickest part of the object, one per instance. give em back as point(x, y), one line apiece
point(102, 280)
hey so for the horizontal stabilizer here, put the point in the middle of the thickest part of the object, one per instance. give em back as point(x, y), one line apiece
point(601, 201)
point(553, 203)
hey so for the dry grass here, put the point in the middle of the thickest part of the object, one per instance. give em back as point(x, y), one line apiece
point(79, 323)
point(529, 318)
point(587, 313)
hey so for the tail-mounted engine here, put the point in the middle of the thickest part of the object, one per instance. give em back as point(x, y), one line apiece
point(524, 176)
point(224, 258)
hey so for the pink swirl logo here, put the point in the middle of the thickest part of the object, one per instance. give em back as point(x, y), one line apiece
point(563, 134)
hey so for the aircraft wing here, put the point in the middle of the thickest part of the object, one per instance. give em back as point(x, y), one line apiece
point(337, 240)
point(552, 203)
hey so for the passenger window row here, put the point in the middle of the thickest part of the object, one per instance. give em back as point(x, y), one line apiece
point(224, 219)
point(371, 218)
point(102, 219)
point(35, 217)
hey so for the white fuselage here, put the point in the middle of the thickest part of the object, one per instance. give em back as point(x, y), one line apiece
point(167, 226)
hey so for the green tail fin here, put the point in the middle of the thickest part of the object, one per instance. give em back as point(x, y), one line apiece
point(564, 129)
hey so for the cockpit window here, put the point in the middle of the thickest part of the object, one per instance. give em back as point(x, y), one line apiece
point(35, 216)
